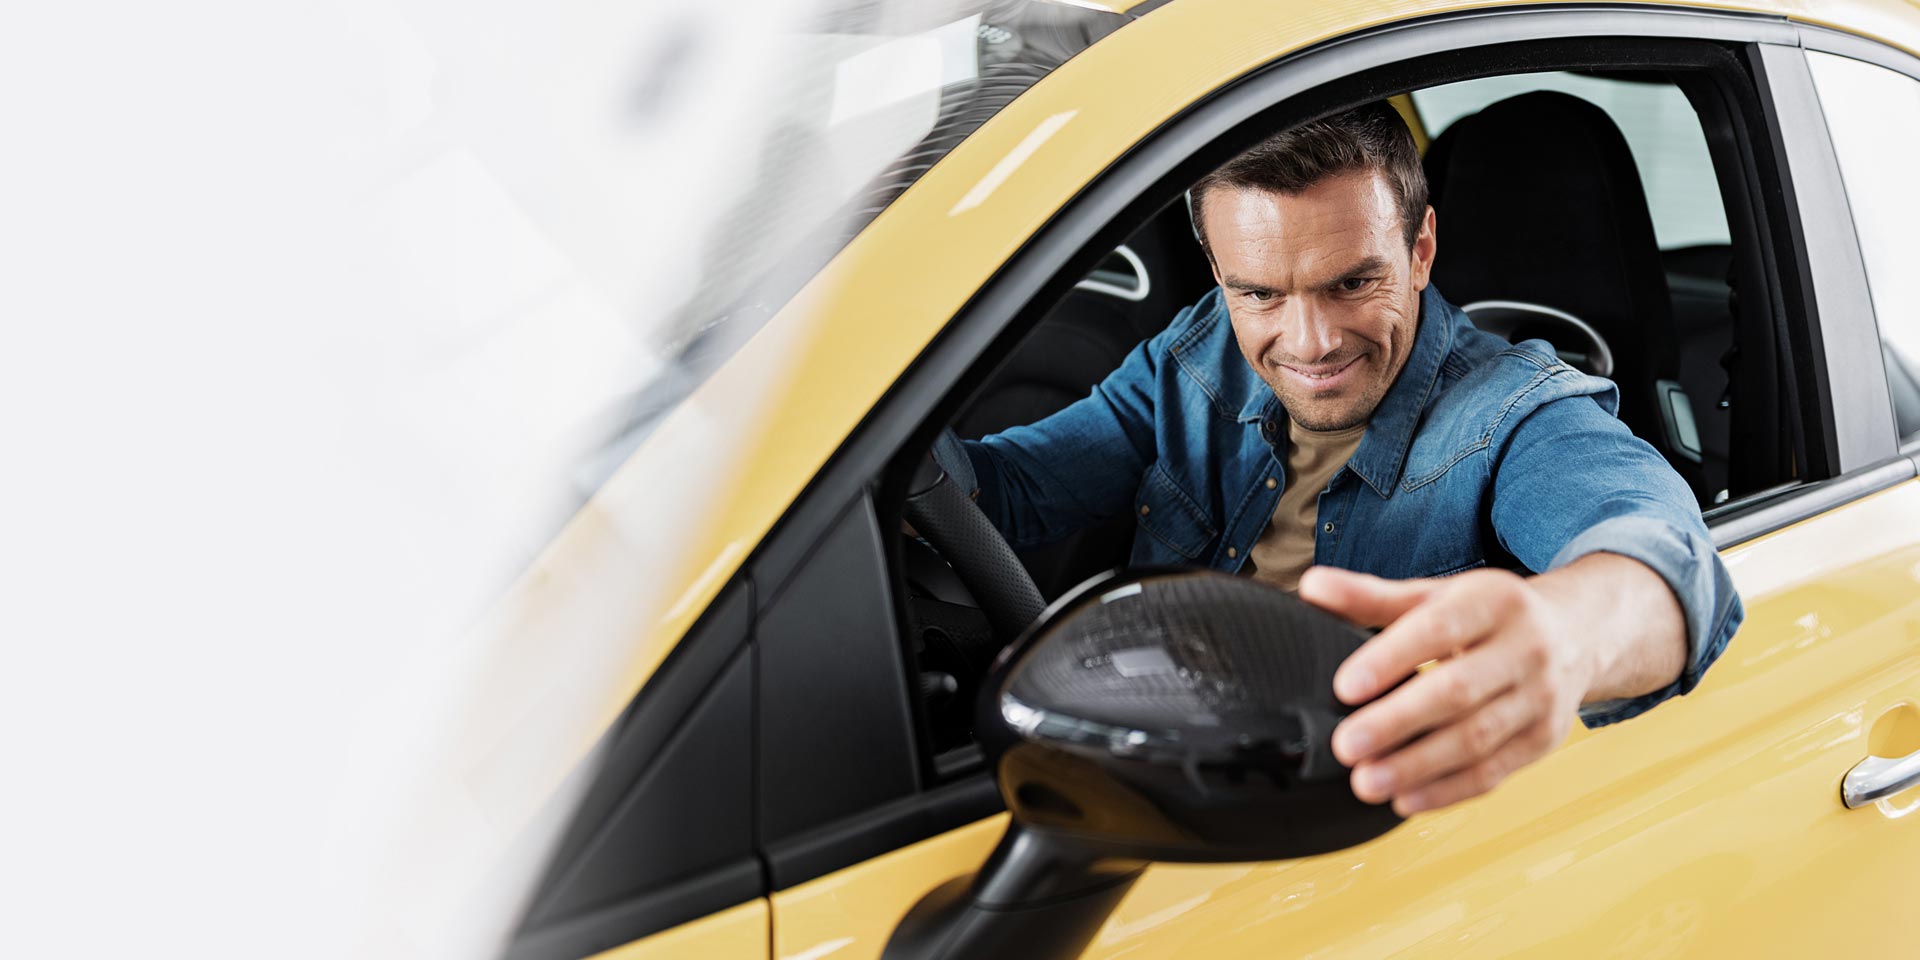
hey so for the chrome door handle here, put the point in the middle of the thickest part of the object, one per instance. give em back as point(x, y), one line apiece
point(1877, 777)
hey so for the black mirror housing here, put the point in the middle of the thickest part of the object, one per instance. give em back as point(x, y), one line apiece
point(1179, 716)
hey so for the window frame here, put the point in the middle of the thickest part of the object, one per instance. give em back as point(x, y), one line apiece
point(1864, 447)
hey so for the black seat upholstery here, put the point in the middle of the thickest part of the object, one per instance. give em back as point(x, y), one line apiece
point(1537, 199)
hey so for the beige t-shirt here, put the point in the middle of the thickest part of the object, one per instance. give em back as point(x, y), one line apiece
point(1285, 549)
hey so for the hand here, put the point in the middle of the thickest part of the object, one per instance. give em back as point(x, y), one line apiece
point(1510, 671)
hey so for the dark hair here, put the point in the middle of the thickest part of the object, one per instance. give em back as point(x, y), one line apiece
point(1367, 137)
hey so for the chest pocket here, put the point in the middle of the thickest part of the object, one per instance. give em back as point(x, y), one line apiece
point(1169, 520)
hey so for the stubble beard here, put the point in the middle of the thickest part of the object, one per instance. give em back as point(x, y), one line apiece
point(1329, 414)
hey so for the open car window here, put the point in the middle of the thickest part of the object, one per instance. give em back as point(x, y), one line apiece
point(1708, 279)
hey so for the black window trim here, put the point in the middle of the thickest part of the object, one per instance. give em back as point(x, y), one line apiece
point(925, 395)
point(603, 789)
point(1852, 46)
point(1863, 429)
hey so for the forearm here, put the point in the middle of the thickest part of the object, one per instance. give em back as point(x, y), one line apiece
point(1628, 619)
point(1574, 485)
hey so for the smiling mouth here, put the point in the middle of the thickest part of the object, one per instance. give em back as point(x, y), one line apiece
point(1319, 374)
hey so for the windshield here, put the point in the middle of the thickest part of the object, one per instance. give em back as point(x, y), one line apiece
point(861, 101)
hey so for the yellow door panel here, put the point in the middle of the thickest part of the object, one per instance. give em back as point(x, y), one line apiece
point(1710, 826)
point(737, 933)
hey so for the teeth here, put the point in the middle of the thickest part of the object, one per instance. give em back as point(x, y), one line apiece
point(1322, 376)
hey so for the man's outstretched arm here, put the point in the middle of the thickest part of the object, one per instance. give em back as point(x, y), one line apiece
point(1632, 607)
point(1516, 656)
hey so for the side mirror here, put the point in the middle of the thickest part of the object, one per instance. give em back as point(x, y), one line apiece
point(1172, 716)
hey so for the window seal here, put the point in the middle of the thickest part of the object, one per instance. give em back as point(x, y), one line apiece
point(1766, 513)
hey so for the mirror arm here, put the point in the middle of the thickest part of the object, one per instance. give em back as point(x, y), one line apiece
point(1032, 867)
point(1038, 897)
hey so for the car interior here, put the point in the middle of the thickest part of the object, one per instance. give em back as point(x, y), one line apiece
point(1545, 231)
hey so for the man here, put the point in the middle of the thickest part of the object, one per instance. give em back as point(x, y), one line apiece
point(1325, 419)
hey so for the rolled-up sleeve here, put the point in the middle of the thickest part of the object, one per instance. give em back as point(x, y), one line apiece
point(1571, 480)
point(1686, 560)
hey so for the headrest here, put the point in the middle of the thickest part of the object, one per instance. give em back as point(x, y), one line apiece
point(1537, 199)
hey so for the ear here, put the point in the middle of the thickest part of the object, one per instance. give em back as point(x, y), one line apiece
point(1423, 249)
point(1193, 218)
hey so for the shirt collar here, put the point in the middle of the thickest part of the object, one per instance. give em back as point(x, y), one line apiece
point(1383, 451)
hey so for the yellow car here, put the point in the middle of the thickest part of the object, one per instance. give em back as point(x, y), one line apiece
point(791, 763)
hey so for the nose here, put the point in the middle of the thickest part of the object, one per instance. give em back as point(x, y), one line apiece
point(1309, 335)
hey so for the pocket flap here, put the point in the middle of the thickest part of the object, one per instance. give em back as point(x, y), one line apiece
point(1166, 513)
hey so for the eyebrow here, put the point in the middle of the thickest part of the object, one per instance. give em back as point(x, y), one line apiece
point(1366, 267)
point(1247, 285)
point(1363, 267)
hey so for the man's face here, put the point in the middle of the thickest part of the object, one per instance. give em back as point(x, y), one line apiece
point(1323, 291)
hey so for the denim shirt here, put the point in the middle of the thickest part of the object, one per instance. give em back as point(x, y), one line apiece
point(1481, 453)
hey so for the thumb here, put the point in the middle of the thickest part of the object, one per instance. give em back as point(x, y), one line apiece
point(1365, 599)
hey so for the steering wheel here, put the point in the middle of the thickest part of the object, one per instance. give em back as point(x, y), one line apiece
point(949, 520)
point(1579, 345)
point(953, 649)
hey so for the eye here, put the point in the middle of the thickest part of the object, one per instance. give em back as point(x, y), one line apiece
point(1355, 284)
point(1259, 296)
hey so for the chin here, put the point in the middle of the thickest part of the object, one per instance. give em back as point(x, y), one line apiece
point(1321, 418)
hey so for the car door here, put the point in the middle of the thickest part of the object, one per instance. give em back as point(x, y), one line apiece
point(1712, 825)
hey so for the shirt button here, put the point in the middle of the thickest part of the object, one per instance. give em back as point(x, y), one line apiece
point(1144, 509)
point(1329, 527)
point(1271, 483)
point(1231, 553)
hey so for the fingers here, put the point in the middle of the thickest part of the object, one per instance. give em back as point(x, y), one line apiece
point(1529, 745)
point(1362, 598)
point(1430, 701)
point(1455, 747)
point(1456, 615)
point(1492, 703)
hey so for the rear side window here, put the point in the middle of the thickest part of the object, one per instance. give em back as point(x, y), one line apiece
point(1660, 127)
point(1873, 116)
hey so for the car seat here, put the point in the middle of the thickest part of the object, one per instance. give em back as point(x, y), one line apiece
point(1537, 200)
